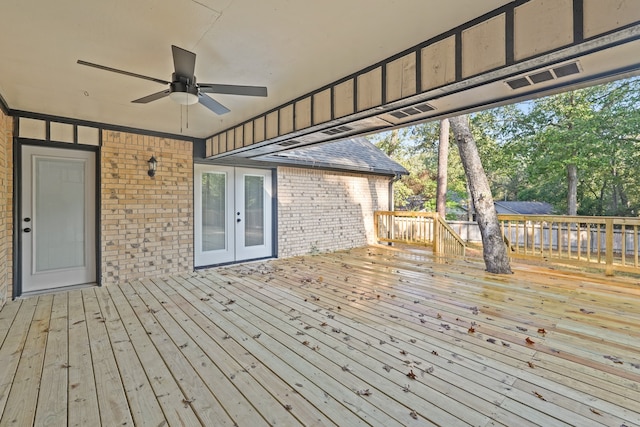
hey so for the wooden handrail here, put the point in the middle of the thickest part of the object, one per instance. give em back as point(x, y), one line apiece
point(418, 228)
point(606, 242)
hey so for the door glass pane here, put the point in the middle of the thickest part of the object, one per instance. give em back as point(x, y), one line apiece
point(213, 211)
point(254, 210)
point(59, 210)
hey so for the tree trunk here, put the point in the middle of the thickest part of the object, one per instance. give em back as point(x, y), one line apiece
point(443, 157)
point(572, 187)
point(493, 247)
point(471, 209)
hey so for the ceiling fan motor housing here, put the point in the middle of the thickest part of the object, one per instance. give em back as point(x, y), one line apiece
point(183, 91)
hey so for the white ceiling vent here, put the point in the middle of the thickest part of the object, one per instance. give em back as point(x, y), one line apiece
point(411, 111)
point(544, 76)
point(288, 143)
point(337, 130)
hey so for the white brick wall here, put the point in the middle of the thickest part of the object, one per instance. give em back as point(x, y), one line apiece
point(326, 211)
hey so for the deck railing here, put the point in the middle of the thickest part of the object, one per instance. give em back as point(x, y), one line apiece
point(605, 242)
point(418, 228)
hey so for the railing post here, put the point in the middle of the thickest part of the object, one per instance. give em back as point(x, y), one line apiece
point(436, 234)
point(608, 247)
point(376, 227)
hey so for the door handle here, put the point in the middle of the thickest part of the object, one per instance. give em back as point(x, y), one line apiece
point(27, 230)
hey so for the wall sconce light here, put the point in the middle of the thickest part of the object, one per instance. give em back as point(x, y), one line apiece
point(153, 165)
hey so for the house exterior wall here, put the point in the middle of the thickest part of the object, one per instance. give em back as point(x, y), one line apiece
point(6, 207)
point(146, 223)
point(326, 211)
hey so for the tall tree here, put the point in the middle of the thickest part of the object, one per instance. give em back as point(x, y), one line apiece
point(493, 247)
point(443, 159)
point(580, 148)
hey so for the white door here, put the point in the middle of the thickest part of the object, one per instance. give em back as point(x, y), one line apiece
point(58, 218)
point(232, 214)
point(253, 213)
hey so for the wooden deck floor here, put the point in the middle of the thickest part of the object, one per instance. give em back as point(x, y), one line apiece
point(375, 336)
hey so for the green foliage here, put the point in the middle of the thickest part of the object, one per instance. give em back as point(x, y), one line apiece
point(416, 148)
point(526, 148)
point(596, 129)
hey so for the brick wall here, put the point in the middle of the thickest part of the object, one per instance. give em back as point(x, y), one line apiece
point(147, 223)
point(327, 211)
point(6, 216)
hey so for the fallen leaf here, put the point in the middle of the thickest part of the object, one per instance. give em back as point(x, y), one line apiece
point(365, 392)
point(414, 415)
point(505, 344)
point(323, 324)
point(411, 375)
point(491, 340)
point(187, 402)
point(471, 329)
point(586, 311)
point(404, 353)
point(539, 396)
point(435, 353)
point(406, 388)
point(65, 366)
point(288, 407)
point(305, 343)
point(595, 411)
point(346, 368)
point(438, 316)
point(387, 368)
point(541, 331)
point(229, 302)
point(531, 365)
point(520, 328)
point(204, 299)
point(529, 341)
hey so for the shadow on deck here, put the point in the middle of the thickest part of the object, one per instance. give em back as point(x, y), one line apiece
point(373, 336)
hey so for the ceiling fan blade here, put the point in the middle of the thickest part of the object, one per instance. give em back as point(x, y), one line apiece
point(212, 104)
point(152, 97)
point(184, 62)
point(126, 73)
point(233, 89)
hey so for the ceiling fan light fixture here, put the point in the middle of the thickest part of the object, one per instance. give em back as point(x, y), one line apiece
point(184, 93)
point(184, 98)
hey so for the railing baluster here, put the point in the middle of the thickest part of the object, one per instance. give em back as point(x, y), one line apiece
point(635, 246)
point(623, 252)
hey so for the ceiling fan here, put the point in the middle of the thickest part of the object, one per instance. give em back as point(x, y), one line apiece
point(183, 87)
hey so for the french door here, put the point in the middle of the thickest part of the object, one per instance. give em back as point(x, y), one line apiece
point(58, 218)
point(233, 214)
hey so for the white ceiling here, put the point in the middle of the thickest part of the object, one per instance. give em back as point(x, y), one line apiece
point(290, 46)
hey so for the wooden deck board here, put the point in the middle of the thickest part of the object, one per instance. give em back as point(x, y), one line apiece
point(23, 398)
point(292, 342)
point(166, 390)
point(52, 399)
point(111, 397)
point(83, 409)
